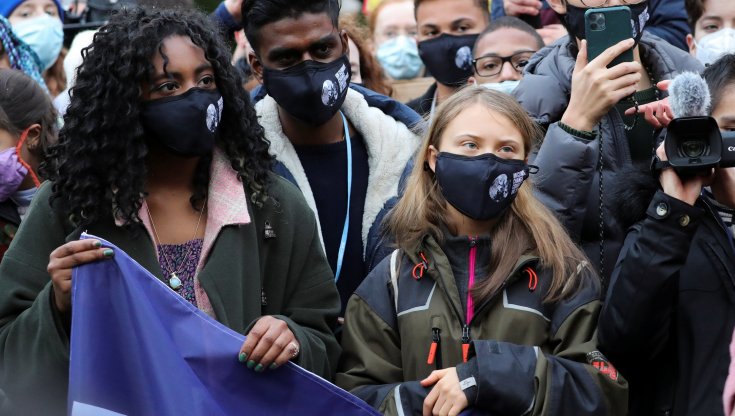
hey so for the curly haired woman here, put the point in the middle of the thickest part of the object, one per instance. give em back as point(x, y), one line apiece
point(161, 155)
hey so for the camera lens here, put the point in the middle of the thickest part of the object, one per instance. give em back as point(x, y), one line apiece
point(693, 148)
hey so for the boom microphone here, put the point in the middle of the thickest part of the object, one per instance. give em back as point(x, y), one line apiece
point(689, 96)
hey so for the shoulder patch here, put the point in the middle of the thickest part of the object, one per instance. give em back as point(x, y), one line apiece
point(602, 364)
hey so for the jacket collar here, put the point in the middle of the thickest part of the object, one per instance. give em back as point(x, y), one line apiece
point(389, 143)
point(226, 205)
point(439, 269)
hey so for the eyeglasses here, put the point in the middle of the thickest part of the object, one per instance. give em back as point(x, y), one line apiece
point(601, 3)
point(491, 65)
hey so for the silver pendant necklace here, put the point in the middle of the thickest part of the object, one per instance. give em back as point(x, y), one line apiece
point(173, 276)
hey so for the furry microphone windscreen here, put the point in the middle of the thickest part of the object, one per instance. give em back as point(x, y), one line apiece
point(689, 96)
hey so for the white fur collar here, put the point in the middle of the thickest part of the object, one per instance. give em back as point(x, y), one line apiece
point(390, 144)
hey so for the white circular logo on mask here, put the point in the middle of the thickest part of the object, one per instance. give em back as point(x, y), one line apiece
point(329, 93)
point(212, 117)
point(499, 189)
point(463, 59)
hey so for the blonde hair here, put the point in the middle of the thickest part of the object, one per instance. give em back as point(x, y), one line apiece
point(527, 227)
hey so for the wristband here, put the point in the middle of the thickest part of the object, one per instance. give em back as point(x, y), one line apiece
point(582, 134)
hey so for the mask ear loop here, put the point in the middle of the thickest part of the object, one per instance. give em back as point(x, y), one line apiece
point(23, 137)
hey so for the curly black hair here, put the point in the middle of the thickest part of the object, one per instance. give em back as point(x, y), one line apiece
point(98, 166)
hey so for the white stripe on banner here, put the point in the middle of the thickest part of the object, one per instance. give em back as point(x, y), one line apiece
point(81, 409)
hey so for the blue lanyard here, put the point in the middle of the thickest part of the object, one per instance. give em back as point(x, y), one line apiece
point(345, 229)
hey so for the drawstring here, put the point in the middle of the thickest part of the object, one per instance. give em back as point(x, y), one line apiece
point(532, 279)
point(419, 268)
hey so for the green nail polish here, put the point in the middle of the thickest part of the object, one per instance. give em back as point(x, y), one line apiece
point(259, 368)
point(273, 366)
point(242, 357)
point(98, 244)
point(108, 252)
point(251, 364)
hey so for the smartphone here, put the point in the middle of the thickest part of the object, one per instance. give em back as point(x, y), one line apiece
point(605, 27)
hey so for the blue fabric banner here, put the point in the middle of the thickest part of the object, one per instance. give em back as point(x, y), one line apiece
point(138, 348)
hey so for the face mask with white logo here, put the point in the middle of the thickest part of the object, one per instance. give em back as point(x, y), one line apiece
point(45, 36)
point(400, 58)
point(185, 124)
point(311, 91)
point(448, 58)
point(506, 87)
point(715, 45)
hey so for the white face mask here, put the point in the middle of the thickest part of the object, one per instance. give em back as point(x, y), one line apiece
point(506, 87)
point(713, 46)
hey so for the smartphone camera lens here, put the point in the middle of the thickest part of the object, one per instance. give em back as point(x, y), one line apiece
point(597, 22)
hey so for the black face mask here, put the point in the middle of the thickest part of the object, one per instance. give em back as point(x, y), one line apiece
point(480, 187)
point(574, 20)
point(311, 91)
point(448, 58)
point(186, 124)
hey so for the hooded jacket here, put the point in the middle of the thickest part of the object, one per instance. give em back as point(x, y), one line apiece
point(526, 356)
point(569, 178)
point(670, 312)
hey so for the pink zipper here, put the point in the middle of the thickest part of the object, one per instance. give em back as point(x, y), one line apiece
point(470, 303)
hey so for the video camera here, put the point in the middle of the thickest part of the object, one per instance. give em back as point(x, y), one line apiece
point(695, 144)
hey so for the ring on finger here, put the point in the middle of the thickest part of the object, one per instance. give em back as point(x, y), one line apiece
point(294, 349)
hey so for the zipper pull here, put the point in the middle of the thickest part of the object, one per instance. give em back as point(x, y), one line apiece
point(435, 341)
point(465, 342)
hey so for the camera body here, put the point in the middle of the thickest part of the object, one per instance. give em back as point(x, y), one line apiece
point(695, 144)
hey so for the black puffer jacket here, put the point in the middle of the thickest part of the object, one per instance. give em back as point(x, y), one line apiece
point(670, 312)
point(568, 181)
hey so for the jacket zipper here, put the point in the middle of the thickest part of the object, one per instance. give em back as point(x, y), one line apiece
point(472, 260)
point(435, 352)
point(466, 336)
point(470, 302)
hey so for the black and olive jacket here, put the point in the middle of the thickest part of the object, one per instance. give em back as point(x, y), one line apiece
point(272, 265)
point(526, 356)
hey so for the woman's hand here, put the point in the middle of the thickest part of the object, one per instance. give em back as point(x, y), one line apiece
point(596, 88)
point(658, 113)
point(446, 398)
point(270, 344)
point(63, 259)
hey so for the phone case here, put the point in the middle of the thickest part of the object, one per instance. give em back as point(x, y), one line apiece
point(605, 27)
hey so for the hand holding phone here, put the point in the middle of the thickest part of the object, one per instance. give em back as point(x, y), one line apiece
point(596, 88)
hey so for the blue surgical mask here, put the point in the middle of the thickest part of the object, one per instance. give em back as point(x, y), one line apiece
point(506, 87)
point(45, 36)
point(400, 58)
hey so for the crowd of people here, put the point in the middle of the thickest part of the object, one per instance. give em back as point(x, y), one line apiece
point(438, 205)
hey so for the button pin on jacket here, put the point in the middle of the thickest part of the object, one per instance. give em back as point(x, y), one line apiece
point(662, 210)
point(269, 233)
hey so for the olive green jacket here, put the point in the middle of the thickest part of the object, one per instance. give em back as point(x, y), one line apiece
point(273, 265)
point(524, 356)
